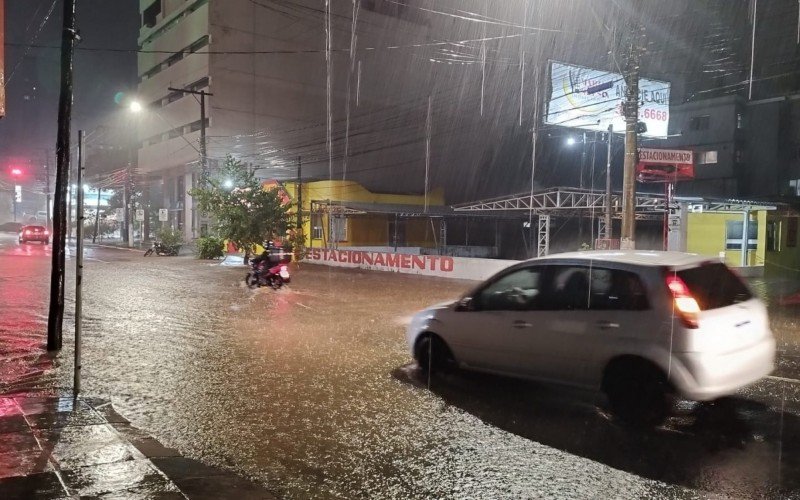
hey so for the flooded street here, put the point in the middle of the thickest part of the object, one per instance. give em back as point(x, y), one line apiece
point(311, 391)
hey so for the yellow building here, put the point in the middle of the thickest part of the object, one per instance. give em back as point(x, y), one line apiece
point(345, 214)
point(773, 244)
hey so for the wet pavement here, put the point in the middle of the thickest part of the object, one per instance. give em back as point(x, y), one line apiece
point(310, 391)
point(59, 447)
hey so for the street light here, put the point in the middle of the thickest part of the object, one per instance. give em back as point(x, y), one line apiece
point(571, 141)
point(228, 183)
point(135, 107)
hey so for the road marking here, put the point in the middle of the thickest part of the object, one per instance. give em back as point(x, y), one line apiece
point(784, 379)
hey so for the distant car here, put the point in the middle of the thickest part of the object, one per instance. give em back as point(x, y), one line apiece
point(10, 227)
point(34, 233)
point(640, 326)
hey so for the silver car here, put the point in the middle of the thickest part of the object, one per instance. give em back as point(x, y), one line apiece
point(641, 326)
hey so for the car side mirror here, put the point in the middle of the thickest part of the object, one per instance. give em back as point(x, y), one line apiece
point(465, 304)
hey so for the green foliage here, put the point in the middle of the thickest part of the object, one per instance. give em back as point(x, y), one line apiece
point(244, 213)
point(210, 247)
point(169, 237)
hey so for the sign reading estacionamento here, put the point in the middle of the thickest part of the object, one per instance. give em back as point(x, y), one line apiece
point(592, 100)
point(665, 165)
point(428, 265)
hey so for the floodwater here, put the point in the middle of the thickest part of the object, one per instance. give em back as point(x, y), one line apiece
point(310, 390)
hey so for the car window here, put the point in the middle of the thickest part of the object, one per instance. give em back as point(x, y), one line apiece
point(614, 289)
point(569, 288)
point(516, 291)
point(714, 286)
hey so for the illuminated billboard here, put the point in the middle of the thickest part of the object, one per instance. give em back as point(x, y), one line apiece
point(590, 99)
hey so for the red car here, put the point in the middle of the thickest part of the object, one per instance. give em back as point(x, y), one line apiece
point(34, 233)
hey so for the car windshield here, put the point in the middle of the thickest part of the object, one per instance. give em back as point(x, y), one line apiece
point(514, 248)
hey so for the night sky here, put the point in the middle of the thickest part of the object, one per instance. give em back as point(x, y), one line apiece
point(33, 73)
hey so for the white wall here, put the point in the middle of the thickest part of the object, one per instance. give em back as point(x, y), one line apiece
point(426, 265)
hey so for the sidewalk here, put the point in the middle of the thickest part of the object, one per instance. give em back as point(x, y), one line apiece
point(57, 447)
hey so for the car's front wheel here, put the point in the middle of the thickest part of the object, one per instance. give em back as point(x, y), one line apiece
point(432, 354)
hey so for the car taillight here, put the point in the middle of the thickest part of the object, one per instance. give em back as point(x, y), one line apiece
point(46, 232)
point(284, 268)
point(686, 306)
point(27, 232)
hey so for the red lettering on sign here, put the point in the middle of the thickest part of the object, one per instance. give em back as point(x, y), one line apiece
point(379, 260)
point(356, 257)
point(447, 264)
point(418, 262)
point(405, 261)
point(315, 254)
point(433, 261)
point(368, 258)
point(331, 255)
point(392, 260)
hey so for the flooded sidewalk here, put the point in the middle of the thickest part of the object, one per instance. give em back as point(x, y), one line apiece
point(59, 447)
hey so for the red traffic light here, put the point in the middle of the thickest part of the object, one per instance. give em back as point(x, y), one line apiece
point(16, 172)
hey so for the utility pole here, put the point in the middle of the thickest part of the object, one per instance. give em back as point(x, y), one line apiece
point(300, 197)
point(203, 156)
point(634, 49)
point(55, 318)
point(97, 213)
point(47, 194)
point(76, 387)
point(608, 232)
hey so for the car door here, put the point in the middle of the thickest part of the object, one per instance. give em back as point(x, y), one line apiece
point(491, 333)
point(588, 314)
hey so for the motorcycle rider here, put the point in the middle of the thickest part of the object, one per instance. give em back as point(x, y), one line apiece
point(269, 249)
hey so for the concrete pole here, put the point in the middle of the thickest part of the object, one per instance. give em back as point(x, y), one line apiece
point(79, 266)
point(745, 230)
point(608, 232)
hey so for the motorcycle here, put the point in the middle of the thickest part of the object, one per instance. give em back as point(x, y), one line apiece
point(264, 274)
point(160, 249)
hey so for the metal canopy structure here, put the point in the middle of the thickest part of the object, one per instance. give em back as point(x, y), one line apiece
point(574, 202)
point(567, 202)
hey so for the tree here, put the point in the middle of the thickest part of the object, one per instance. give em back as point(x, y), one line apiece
point(244, 212)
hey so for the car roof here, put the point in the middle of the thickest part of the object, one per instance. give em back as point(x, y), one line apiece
point(633, 257)
point(33, 225)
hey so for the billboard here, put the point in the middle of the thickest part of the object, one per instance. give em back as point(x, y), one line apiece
point(590, 99)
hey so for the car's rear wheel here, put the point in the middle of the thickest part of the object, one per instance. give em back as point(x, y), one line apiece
point(432, 354)
point(639, 393)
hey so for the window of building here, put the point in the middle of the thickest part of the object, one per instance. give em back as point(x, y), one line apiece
point(733, 235)
point(173, 59)
point(740, 121)
point(791, 232)
point(195, 126)
point(338, 229)
point(150, 14)
point(199, 44)
point(706, 157)
point(795, 187)
point(774, 236)
point(700, 122)
point(317, 231)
